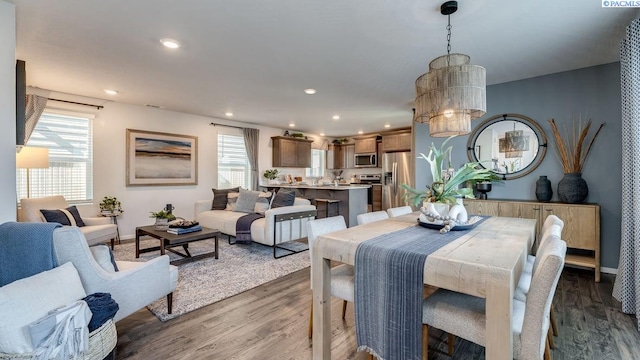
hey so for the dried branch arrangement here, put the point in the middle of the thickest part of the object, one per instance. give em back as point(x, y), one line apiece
point(573, 150)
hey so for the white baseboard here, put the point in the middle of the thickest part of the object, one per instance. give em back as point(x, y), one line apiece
point(608, 270)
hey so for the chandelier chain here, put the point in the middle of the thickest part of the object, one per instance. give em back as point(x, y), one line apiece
point(448, 39)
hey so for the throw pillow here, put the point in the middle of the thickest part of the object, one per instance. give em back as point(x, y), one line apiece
point(220, 198)
point(69, 216)
point(284, 197)
point(231, 201)
point(104, 257)
point(262, 205)
point(27, 300)
point(264, 200)
point(246, 201)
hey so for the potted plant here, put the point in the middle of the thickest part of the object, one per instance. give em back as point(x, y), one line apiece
point(110, 206)
point(271, 175)
point(446, 186)
point(162, 219)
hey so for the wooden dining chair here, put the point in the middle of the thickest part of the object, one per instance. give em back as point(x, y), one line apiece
point(342, 280)
point(371, 217)
point(464, 315)
point(399, 211)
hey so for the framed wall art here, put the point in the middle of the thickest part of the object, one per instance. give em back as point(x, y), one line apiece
point(156, 158)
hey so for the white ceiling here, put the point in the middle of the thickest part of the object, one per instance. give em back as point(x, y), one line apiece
point(255, 57)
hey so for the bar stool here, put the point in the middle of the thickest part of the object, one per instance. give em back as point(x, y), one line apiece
point(327, 208)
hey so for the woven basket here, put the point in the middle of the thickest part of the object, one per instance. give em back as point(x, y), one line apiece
point(101, 342)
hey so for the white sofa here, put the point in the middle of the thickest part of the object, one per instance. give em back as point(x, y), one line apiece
point(265, 230)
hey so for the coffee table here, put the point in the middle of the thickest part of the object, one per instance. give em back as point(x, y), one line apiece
point(169, 241)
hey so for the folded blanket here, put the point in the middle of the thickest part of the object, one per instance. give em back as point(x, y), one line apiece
point(243, 227)
point(103, 308)
point(26, 249)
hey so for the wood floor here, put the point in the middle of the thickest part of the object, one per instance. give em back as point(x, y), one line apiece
point(270, 322)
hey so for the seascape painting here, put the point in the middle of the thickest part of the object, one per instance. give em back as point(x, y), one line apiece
point(155, 158)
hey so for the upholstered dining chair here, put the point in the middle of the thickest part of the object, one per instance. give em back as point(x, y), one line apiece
point(551, 220)
point(552, 225)
point(96, 230)
point(399, 211)
point(342, 281)
point(371, 217)
point(524, 283)
point(464, 315)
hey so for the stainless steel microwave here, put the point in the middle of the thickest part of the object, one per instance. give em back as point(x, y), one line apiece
point(366, 160)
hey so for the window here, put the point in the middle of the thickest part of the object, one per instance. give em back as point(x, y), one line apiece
point(69, 138)
point(233, 164)
point(317, 163)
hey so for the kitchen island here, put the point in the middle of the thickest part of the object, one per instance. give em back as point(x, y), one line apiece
point(353, 198)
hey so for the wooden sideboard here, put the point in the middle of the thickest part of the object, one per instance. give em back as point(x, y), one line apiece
point(581, 225)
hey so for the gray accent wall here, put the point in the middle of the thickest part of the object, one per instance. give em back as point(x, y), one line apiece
point(593, 92)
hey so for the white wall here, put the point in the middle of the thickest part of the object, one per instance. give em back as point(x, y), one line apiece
point(7, 112)
point(109, 129)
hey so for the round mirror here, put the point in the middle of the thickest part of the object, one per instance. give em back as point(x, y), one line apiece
point(511, 145)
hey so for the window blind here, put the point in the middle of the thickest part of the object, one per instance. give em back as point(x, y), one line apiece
point(69, 139)
point(233, 163)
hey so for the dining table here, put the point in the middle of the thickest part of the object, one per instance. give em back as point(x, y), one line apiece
point(485, 261)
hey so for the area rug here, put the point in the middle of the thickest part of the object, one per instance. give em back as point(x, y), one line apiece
point(203, 282)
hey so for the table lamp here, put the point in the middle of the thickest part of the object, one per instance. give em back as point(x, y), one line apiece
point(29, 157)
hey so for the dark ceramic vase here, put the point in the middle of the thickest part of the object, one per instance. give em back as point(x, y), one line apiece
point(543, 189)
point(572, 189)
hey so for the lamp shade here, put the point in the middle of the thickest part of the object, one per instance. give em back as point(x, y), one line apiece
point(29, 157)
point(450, 95)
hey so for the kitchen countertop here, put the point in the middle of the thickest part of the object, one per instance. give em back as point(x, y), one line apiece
point(325, 187)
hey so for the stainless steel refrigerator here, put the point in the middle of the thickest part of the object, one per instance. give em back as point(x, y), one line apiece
point(396, 170)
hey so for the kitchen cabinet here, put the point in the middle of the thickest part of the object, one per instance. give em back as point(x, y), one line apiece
point(349, 156)
point(399, 141)
point(581, 225)
point(291, 152)
point(341, 156)
point(366, 145)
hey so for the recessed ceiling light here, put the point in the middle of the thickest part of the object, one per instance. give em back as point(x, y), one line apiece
point(336, 117)
point(111, 91)
point(321, 134)
point(229, 114)
point(361, 132)
point(310, 91)
point(170, 43)
point(292, 125)
point(387, 125)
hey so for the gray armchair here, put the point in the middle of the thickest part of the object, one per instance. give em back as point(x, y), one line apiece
point(96, 231)
point(135, 286)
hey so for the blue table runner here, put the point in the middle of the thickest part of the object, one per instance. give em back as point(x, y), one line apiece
point(389, 281)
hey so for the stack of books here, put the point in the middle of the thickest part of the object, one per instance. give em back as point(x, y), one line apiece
point(180, 230)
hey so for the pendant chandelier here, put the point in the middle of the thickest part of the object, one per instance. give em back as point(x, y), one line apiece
point(453, 92)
